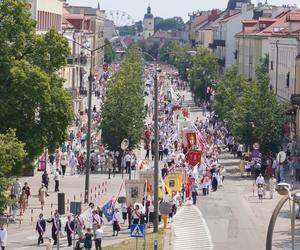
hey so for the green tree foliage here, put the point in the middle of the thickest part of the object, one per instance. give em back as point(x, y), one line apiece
point(179, 56)
point(252, 112)
point(11, 157)
point(204, 72)
point(123, 109)
point(109, 52)
point(174, 24)
point(32, 98)
point(230, 87)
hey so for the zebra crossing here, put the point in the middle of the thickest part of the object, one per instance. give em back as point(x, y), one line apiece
point(190, 230)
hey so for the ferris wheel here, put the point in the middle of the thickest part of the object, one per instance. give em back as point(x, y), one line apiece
point(120, 18)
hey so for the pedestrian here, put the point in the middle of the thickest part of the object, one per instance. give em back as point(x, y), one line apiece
point(41, 229)
point(14, 207)
point(3, 236)
point(214, 182)
point(116, 222)
point(42, 194)
point(88, 239)
point(98, 237)
point(127, 159)
point(73, 164)
point(96, 220)
point(22, 202)
point(194, 192)
point(260, 192)
point(17, 188)
point(57, 158)
point(45, 179)
point(272, 185)
point(124, 211)
point(56, 179)
point(26, 188)
point(129, 215)
point(51, 161)
point(79, 224)
point(63, 163)
point(56, 226)
point(136, 214)
point(69, 229)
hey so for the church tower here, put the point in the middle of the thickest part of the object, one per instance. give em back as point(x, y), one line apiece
point(148, 24)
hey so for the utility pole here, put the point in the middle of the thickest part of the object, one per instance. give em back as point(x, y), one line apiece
point(155, 219)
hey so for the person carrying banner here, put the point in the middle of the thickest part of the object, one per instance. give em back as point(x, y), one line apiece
point(116, 222)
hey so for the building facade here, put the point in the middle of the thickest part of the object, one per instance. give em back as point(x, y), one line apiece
point(47, 13)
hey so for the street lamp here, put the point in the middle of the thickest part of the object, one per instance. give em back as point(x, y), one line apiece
point(294, 197)
point(155, 219)
point(88, 148)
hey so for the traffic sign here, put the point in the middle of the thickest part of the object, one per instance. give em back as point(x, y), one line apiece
point(137, 230)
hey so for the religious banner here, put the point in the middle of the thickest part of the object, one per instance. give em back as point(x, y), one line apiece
point(191, 140)
point(134, 191)
point(147, 175)
point(174, 181)
point(194, 157)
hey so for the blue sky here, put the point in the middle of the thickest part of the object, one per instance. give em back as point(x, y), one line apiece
point(164, 8)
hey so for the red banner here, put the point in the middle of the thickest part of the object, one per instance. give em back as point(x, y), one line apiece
point(194, 157)
point(191, 140)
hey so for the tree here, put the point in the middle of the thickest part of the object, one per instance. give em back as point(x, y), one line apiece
point(11, 157)
point(229, 90)
point(257, 116)
point(32, 98)
point(173, 24)
point(109, 52)
point(123, 109)
point(204, 72)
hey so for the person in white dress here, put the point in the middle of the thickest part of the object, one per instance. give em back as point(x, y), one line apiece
point(3, 237)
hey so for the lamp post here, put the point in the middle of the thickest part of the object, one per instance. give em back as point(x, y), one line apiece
point(155, 219)
point(88, 147)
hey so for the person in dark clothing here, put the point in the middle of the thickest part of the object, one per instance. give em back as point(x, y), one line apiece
point(56, 226)
point(129, 212)
point(45, 179)
point(40, 228)
point(69, 228)
point(160, 151)
point(214, 182)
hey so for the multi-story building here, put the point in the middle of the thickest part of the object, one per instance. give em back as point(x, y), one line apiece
point(252, 41)
point(224, 30)
point(47, 13)
point(97, 19)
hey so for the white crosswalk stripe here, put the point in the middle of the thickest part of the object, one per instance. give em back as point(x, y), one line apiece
point(191, 231)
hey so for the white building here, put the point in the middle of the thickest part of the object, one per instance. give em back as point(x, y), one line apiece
point(284, 49)
point(148, 24)
point(47, 13)
point(224, 30)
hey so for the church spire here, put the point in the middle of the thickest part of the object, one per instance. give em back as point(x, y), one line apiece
point(98, 7)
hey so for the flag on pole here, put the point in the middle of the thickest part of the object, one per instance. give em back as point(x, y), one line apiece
point(108, 210)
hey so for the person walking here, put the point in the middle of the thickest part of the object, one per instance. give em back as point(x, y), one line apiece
point(88, 241)
point(129, 214)
point(194, 192)
point(69, 229)
point(136, 215)
point(98, 237)
point(116, 222)
point(23, 202)
point(42, 194)
point(127, 159)
point(56, 226)
point(272, 185)
point(45, 179)
point(124, 211)
point(3, 237)
point(26, 189)
point(63, 163)
point(96, 220)
point(56, 179)
point(41, 229)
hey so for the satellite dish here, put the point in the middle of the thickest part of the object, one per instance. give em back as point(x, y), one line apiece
point(281, 156)
point(124, 144)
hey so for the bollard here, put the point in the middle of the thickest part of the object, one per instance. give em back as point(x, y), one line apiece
point(51, 209)
point(155, 245)
point(31, 219)
point(105, 190)
point(91, 199)
point(99, 186)
point(95, 189)
point(98, 193)
point(109, 170)
point(105, 182)
point(95, 195)
point(102, 184)
point(102, 191)
point(91, 190)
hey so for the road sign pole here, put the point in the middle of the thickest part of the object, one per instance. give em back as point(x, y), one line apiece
point(136, 244)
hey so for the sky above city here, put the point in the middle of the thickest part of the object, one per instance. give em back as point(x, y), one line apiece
point(164, 8)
